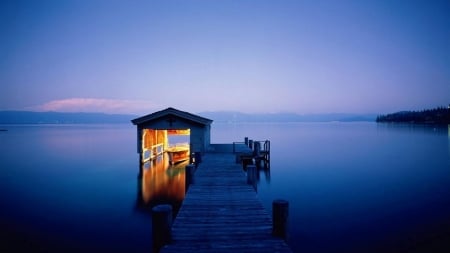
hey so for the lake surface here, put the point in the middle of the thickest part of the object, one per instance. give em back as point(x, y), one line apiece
point(352, 187)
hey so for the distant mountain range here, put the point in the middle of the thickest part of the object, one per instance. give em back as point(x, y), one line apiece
point(286, 117)
point(27, 117)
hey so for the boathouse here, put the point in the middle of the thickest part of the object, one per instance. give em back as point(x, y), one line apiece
point(154, 130)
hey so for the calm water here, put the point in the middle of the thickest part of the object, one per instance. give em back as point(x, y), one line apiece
point(352, 187)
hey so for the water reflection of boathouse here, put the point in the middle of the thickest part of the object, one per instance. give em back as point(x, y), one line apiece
point(166, 141)
point(161, 182)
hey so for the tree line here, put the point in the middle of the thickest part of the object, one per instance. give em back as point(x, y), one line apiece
point(439, 115)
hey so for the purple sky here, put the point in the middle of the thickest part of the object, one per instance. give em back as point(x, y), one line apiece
point(250, 56)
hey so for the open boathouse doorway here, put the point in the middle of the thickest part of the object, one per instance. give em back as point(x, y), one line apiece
point(171, 144)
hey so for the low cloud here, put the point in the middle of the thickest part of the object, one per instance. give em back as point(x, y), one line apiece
point(98, 105)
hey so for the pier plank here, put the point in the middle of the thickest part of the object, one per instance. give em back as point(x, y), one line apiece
point(222, 213)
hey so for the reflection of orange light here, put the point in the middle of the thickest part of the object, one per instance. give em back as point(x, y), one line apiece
point(157, 182)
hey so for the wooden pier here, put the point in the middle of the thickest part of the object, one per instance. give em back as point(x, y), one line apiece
point(222, 213)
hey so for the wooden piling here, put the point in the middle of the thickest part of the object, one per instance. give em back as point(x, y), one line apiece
point(250, 144)
point(280, 213)
point(161, 226)
point(256, 148)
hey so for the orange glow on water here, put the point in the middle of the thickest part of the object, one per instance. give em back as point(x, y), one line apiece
point(160, 180)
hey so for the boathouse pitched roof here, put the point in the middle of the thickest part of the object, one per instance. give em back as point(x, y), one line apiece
point(174, 112)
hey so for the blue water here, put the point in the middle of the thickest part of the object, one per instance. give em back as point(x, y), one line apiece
point(352, 187)
point(71, 188)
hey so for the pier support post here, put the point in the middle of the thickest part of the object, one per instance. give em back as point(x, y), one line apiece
point(280, 213)
point(161, 226)
point(250, 144)
point(246, 141)
point(256, 148)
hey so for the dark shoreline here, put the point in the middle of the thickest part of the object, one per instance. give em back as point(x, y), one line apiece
point(437, 116)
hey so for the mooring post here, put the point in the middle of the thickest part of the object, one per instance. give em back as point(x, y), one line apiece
point(161, 226)
point(189, 175)
point(246, 141)
point(250, 144)
point(280, 213)
point(256, 148)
